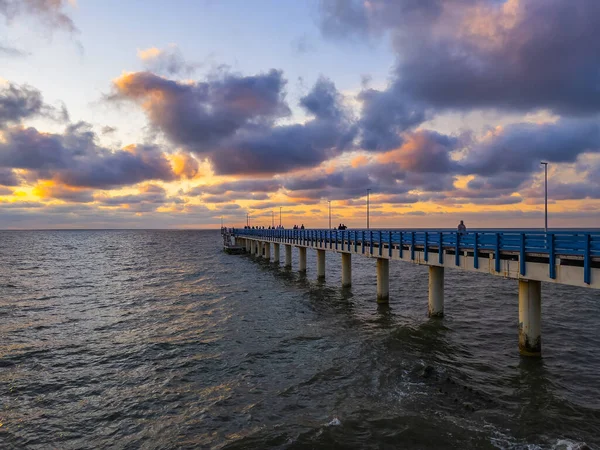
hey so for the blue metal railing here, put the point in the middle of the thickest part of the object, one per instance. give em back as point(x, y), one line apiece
point(552, 244)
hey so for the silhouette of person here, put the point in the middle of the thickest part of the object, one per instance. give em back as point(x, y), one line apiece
point(462, 229)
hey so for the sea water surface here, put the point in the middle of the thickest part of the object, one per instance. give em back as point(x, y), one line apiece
point(159, 340)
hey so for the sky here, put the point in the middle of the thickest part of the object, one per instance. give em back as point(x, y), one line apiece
point(162, 114)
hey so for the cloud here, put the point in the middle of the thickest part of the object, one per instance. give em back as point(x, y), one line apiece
point(244, 185)
point(184, 165)
point(168, 61)
point(424, 151)
point(18, 103)
point(384, 116)
point(9, 51)
point(463, 54)
point(149, 199)
point(302, 44)
point(74, 159)
point(49, 12)
point(8, 177)
point(50, 190)
point(505, 159)
point(232, 196)
point(200, 115)
point(231, 120)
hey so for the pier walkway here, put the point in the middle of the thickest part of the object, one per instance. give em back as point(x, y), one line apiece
point(564, 257)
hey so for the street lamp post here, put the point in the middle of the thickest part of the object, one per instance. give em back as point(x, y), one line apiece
point(329, 201)
point(280, 217)
point(272, 219)
point(545, 164)
point(248, 219)
point(368, 191)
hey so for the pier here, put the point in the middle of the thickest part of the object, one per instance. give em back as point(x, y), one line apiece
point(563, 257)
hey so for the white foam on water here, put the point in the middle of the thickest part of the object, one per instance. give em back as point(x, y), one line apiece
point(563, 444)
point(335, 422)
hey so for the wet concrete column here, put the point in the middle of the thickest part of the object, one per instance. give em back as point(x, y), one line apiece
point(268, 251)
point(383, 280)
point(346, 269)
point(530, 317)
point(321, 264)
point(302, 259)
point(436, 291)
point(288, 256)
point(276, 253)
point(259, 248)
point(247, 244)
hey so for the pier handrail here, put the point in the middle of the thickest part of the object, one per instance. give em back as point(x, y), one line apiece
point(581, 245)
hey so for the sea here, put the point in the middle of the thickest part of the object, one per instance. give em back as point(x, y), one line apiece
point(127, 339)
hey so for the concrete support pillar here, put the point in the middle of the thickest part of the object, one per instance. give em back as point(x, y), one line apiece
point(288, 256)
point(436, 291)
point(346, 269)
point(247, 244)
point(383, 280)
point(320, 264)
point(259, 247)
point(268, 251)
point(252, 250)
point(276, 253)
point(530, 318)
point(302, 259)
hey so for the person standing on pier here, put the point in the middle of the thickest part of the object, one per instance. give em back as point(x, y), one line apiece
point(462, 229)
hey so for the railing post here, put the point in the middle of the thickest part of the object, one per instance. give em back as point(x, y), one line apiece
point(551, 255)
point(426, 254)
point(475, 253)
point(457, 250)
point(371, 242)
point(587, 259)
point(362, 241)
point(412, 245)
point(400, 248)
point(497, 262)
point(441, 249)
point(355, 241)
point(380, 244)
point(522, 261)
point(390, 246)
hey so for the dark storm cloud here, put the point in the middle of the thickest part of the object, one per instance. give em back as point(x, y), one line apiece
point(465, 54)
point(49, 12)
point(74, 159)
